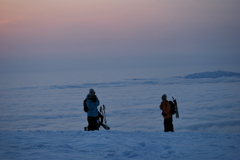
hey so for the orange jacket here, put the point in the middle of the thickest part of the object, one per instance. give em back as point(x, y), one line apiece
point(165, 107)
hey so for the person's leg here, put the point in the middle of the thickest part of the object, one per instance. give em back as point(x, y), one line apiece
point(168, 126)
point(91, 123)
point(171, 124)
point(97, 123)
point(165, 125)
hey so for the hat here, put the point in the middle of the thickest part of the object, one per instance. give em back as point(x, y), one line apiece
point(164, 97)
point(91, 91)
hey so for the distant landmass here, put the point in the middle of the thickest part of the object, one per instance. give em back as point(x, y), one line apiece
point(215, 74)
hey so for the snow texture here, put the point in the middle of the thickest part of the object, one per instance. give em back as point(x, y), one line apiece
point(117, 145)
point(42, 116)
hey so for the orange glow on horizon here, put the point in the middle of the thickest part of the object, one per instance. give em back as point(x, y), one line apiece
point(106, 26)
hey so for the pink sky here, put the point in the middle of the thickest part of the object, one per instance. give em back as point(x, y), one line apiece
point(33, 28)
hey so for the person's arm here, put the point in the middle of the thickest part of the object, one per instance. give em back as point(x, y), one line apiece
point(167, 108)
point(89, 104)
point(161, 106)
point(97, 102)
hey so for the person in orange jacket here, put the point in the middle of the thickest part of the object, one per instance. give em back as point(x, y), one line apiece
point(165, 107)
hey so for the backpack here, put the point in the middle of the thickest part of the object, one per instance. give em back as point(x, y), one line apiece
point(173, 110)
point(85, 108)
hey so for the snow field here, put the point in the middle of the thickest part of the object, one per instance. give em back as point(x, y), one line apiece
point(44, 118)
point(117, 145)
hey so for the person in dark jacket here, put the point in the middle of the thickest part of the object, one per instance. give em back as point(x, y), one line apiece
point(166, 108)
point(92, 104)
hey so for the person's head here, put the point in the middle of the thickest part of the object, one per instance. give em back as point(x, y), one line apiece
point(91, 92)
point(164, 97)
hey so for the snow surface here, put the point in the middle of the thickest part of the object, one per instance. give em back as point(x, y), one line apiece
point(42, 116)
point(117, 145)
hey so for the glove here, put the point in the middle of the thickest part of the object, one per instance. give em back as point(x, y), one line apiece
point(164, 115)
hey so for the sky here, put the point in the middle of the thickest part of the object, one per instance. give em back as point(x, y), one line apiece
point(72, 34)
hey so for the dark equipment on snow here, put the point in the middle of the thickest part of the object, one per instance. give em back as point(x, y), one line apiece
point(175, 108)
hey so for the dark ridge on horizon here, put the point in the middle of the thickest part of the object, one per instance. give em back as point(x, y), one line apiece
point(214, 74)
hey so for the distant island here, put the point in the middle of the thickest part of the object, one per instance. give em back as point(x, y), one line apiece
point(214, 74)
